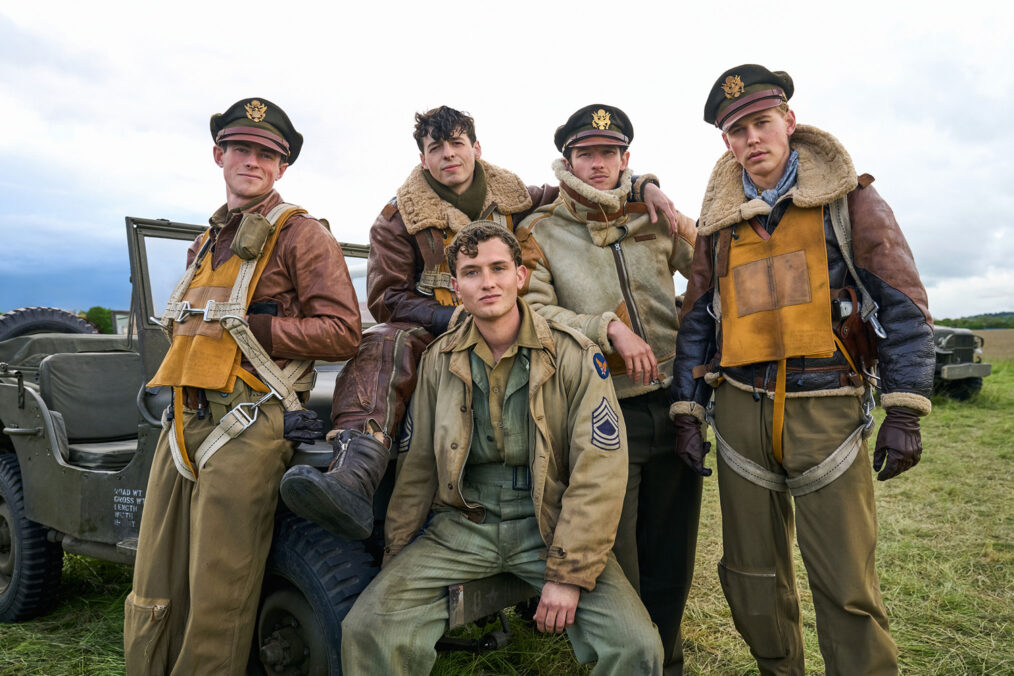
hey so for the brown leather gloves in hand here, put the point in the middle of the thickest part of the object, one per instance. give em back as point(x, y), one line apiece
point(899, 443)
point(690, 444)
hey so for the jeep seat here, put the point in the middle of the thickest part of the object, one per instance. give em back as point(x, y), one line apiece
point(96, 395)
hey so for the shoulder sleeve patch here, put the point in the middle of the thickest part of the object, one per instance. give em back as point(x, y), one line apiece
point(406, 433)
point(601, 366)
point(605, 427)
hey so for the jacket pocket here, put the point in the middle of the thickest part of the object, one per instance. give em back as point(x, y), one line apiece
point(145, 635)
point(756, 610)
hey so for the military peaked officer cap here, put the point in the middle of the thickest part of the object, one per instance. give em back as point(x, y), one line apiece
point(258, 121)
point(743, 90)
point(595, 125)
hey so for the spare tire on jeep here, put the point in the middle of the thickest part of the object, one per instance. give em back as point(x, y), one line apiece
point(27, 320)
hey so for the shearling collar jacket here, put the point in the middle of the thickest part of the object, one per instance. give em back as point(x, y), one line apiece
point(595, 258)
point(408, 237)
point(579, 466)
point(825, 174)
point(882, 259)
point(422, 208)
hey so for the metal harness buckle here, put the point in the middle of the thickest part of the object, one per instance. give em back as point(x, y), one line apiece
point(245, 419)
point(869, 403)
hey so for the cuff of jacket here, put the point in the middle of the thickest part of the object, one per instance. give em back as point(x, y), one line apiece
point(916, 402)
point(637, 190)
point(586, 582)
point(686, 408)
point(603, 334)
point(260, 327)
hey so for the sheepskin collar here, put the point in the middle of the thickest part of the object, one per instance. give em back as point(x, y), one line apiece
point(422, 208)
point(825, 174)
point(606, 201)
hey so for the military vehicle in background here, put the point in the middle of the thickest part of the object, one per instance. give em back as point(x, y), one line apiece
point(79, 433)
point(959, 369)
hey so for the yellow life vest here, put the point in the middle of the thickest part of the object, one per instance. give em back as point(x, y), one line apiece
point(776, 299)
point(202, 354)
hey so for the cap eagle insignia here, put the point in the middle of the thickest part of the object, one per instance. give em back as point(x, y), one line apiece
point(733, 87)
point(256, 111)
point(600, 119)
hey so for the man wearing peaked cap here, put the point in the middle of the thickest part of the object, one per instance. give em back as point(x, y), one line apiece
point(818, 300)
point(601, 266)
point(270, 278)
point(258, 121)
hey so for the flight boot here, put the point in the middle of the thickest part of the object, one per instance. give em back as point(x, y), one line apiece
point(341, 499)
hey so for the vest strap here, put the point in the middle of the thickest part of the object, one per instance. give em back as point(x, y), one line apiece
point(778, 417)
point(813, 479)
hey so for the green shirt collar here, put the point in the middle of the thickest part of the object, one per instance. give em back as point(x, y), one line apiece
point(527, 337)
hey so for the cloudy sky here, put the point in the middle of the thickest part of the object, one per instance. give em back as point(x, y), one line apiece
point(105, 111)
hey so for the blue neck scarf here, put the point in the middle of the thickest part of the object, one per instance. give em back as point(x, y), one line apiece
point(771, 196)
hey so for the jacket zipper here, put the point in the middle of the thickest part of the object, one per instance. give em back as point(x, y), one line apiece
point(621, 271)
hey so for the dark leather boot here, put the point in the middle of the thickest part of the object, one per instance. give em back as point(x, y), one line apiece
point(341, 499)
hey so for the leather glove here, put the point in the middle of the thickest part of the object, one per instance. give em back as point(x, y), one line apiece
point(899, 443)
point(303, 426)
point(690, 444)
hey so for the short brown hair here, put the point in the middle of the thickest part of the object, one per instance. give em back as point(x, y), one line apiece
point(467, 242)
point(441, 124)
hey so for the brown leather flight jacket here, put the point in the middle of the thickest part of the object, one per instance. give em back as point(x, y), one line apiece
point(308, 306)
point(409, 232)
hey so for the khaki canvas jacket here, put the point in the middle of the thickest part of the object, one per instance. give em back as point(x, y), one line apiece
point(577, 485)
point(308, 281)
point(596, 257)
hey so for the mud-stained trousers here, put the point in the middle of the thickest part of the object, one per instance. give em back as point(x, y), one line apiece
point(837, 531)
point(396, 622)
point(203, 546)
point(657, 537)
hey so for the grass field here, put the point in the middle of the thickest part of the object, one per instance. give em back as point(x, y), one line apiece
point(999, 344)
point(945, 557)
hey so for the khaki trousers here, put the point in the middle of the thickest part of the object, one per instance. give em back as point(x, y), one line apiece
point(202, 548)
point(656, 540)
point(837, 531)
point(397, 620)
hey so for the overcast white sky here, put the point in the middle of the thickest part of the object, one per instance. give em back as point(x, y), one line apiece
point(105, 111)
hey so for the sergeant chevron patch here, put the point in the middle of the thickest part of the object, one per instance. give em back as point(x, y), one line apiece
point(605, 427)
point(406, 433)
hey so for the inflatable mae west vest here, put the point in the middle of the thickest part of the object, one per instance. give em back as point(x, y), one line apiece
point(206, 313)
point(202, 353)
point(775, 298)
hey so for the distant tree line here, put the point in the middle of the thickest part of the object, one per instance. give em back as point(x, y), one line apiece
point(992, 320)
point(101, 318)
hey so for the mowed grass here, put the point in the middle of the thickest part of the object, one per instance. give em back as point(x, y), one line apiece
point(999, 344)
point(945, 558)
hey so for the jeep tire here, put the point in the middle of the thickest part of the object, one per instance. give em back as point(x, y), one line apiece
point(27, 320)
point(30, 565)
point(311, 580)
point(962, 389)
